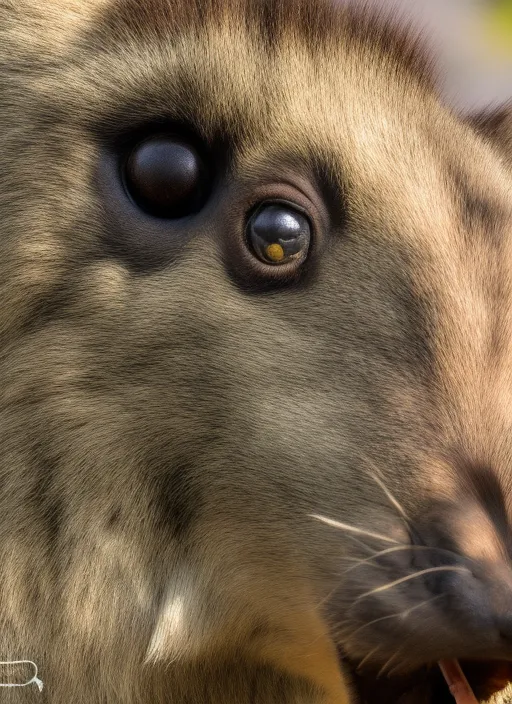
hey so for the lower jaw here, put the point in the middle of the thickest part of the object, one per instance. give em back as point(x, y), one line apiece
point(491, 682)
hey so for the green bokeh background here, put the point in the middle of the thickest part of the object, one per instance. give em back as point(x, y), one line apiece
point(500, 22)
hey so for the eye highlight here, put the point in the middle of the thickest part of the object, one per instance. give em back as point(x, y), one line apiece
point(279, 233)
point(166, 176)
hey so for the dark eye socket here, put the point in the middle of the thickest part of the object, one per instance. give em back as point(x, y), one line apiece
point(166, 176)
point(279, 233)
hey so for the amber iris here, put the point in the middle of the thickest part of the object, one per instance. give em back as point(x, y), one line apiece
point(278, 233)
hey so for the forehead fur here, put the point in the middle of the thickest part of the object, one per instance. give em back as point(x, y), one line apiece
point(315, 25)
point(234, 52)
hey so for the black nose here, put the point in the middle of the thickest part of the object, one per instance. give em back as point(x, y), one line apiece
point(479, 603)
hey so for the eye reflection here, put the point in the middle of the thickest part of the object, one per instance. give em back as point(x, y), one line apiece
point(278, 233)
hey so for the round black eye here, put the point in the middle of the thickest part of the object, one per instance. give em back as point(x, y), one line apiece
point(166, 176)
point(279, 234)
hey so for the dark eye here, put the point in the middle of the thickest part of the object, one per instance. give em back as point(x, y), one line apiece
point(166, 176)
point(278, 233)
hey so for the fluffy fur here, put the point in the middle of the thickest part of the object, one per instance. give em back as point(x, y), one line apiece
point(171, 419)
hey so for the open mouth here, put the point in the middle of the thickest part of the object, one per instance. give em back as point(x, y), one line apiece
point(446, 683)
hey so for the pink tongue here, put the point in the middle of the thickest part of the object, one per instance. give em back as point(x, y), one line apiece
point(457, 682)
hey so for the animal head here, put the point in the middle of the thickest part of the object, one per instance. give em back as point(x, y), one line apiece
point(256, 336)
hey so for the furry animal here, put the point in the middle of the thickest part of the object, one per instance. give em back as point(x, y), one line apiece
point(255, 357)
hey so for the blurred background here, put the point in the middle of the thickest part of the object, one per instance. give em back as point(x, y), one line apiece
point(473, 39)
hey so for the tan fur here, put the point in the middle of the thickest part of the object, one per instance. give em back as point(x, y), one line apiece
point(168, 431)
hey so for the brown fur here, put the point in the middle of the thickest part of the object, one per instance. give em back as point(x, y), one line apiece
point(170, 419)
point(496, 126)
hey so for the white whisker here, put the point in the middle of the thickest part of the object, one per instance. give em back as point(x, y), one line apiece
point(353, 529)
point(326, 598)
point(402, 614)
point(366, 658)
point(365, 560)
point(388, 663)
point(390, 497)
point(394, 502)
point(369, 623)
point(363, 545)
point(361, 561)
point(429, 570)
point(398, 548)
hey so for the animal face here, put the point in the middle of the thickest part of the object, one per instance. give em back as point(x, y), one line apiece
point(256, 283)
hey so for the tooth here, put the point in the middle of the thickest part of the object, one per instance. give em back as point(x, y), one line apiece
point(457, 682)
